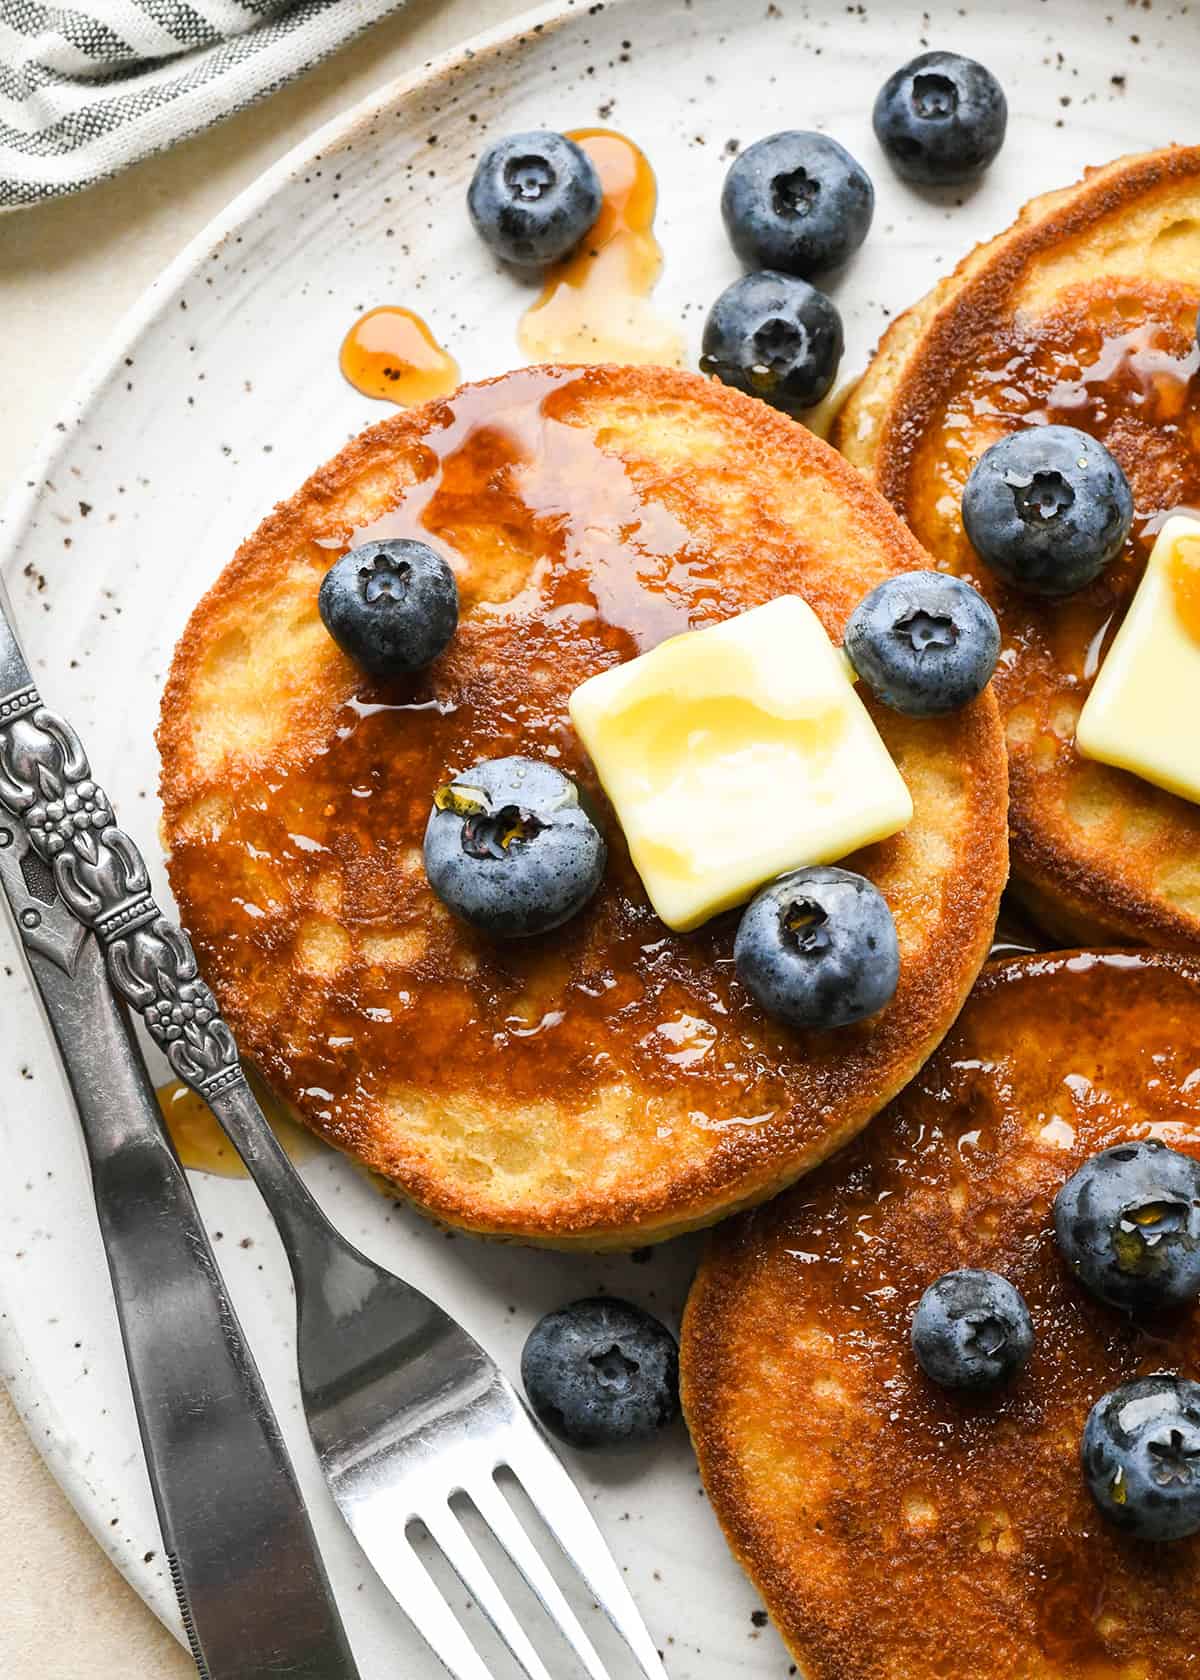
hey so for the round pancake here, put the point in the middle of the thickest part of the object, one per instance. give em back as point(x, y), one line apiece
point(1083, 313)
point(899, 1531)
point(610, 1083)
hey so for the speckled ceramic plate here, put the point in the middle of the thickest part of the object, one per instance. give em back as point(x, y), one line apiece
point(219, 395)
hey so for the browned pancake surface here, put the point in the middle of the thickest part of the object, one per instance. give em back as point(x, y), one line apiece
point(898, 1531)
point(610, 1082)
point(1082, 314)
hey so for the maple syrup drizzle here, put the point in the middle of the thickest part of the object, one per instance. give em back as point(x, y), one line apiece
point(1122, 366)
point(595, 304)
point(391, 354)
point(593, 562)
point(200, 1142)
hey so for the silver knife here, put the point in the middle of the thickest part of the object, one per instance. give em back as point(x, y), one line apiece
point(253, 1593)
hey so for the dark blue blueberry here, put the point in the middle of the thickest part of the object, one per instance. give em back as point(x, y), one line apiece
point(818, 948)
point(1141, 1457)
point(1047, 509)
point(797, 202)
point(533, 197)
point(602, 1373)
point(509, 848)
point(774, 337)
point(924, 643)
point(971, 1330)
point(392, 606)
point(941, 118)
point(1128, 1224)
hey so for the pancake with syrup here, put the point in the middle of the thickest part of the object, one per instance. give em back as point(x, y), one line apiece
point(898, 1531)
point(610, 1083)
point(1083, 314)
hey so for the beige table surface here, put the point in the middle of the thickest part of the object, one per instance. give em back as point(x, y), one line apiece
point(67, 272)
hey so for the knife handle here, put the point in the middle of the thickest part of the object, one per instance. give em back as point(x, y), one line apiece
point(257, 1600)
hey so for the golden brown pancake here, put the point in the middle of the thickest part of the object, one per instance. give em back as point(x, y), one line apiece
point(610, 1083)
point(1084, 314)
point(899, 1531)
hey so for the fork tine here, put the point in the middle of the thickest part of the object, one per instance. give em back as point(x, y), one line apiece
point(416, 1592)
point(564, 1511)
point(498, 1514)
point(474, 1574)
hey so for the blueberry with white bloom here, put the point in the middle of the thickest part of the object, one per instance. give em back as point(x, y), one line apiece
point(818, 948)
point(925, 643)
point(797, 202)
point(775, 337)
point(1141, 1457)
point(971, 1330)
point(510, 849)
point(1047, 509)
point(534, 197)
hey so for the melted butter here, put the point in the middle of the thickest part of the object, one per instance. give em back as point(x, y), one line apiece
point(202, 1145)
point(390, 353)
point(1183, 571)
point(595, 304)
point(735, 754)
point(1135, 716)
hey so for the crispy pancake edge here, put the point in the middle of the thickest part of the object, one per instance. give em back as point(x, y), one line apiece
point(888, 408)
point(751, 1169)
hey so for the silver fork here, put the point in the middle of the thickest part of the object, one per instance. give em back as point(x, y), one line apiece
point(405, 1409)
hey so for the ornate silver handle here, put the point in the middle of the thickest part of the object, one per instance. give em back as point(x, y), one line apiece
point(46, 782)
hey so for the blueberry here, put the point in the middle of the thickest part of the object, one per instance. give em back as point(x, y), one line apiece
point(509, 848)
point(1047, 509)
point(774, 337)
point(971, 1330)
point(602, 1373)
point(533, 197)
point(924, 643)
point(818, 948)
point(1141, 1457)
point(940, 118)
point(1128, 1224)
point(392, 606)
point(797, 202)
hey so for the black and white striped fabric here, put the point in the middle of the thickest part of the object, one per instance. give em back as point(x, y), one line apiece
point(87, 88)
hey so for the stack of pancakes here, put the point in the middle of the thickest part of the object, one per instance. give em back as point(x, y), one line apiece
point(611, 1083)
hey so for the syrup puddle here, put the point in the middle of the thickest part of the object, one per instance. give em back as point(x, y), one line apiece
point(202, 1145)
point(595, 304)
point(390, 354)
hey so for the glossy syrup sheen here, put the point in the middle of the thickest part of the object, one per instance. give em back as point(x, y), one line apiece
point(1119, 364)
point(551, 535)
point(202, 1145)
point(594, 306)
point(886, 1492)
point(570, 557)
point(390, 353)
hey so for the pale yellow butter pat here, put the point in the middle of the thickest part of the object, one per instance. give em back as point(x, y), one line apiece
point(1142, 712)
point(733, 754)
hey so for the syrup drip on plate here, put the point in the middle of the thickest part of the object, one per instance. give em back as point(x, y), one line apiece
point(390, 354)
point(202, 1145)
point(595, 304)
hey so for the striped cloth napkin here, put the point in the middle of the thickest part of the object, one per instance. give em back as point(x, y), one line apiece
point(87, 88)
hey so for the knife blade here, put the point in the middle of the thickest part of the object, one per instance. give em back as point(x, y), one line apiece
point(252, 1589)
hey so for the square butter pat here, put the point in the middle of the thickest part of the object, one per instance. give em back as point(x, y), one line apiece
point(1141, 713)
point(734, 754)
